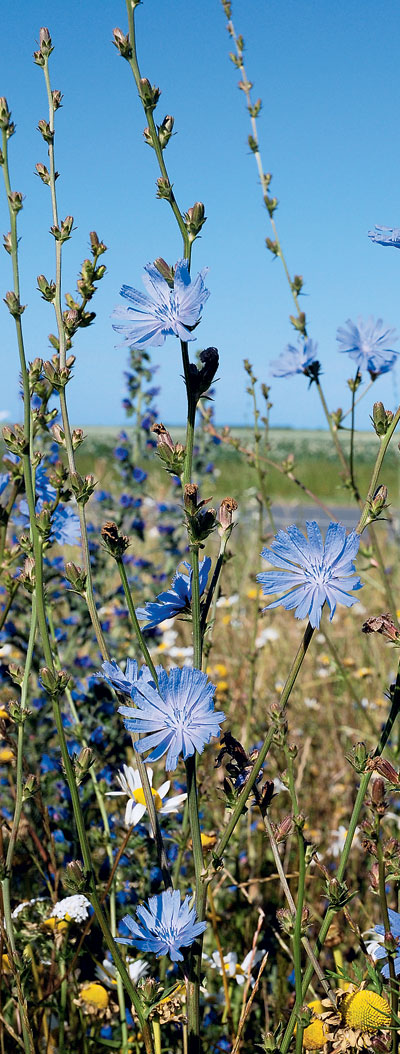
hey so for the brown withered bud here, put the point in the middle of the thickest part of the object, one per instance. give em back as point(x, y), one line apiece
point(378, 791)
point(190, 497)
point(266, 796)
point(114, 542)
point(374, 877)
point(163, 436)
point(382, 624)
point(385, 769)
point(226, 510)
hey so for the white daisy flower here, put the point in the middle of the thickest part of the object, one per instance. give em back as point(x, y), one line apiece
point(129, 781)
point(75, 907)
point(107, 972)
point(240, 971)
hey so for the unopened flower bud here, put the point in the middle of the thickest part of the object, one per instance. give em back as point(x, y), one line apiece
point(82, 764)
point(7, 242)
point(164, 188)
point(45, 131)
point(16, 673)
point(5, 113)
point(165, 131)
point(76, 576)
point(47, 289)
point(149, 94)
point(97, 247)
point(385, 769)
point(31, 786)
point(225, 516)
point(283, 828)
point(45, 43)
point(56, 96)
point(13, 304)
point(54, 681)
point(194, 219)
point(43, 172)
point(379, 501)
point(75, 878)
point(122, 44)
point(15, 198)
point(82, 488)
point(299, 322)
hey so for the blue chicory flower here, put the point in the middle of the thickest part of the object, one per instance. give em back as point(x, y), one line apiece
point(312, 571)
point(175, 599)
point(123, 682)
point(295, 360)
point(151, 318)
point(369, 344)
point(179, 716)
point(167, 924)
point(386, 236)
point(377, 950)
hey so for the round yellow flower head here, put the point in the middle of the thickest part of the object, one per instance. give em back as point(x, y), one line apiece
point(95, 994)
point(6, 755)
point(316, 1033)
point(365, 1010)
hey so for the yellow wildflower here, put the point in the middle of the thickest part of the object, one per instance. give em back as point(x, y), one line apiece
point(315, 1035)
point(6, 755)
point(4, 715)
point(222, 687)
point(58, 925)
point(94, 995)
point(365, 1010)
point(363, 671)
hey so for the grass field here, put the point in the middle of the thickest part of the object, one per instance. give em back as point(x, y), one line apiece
point(315, 463)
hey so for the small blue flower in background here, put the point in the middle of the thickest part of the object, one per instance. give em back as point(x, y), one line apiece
point(175, 599)
point(180, 717)
point(376, 949)
point(4, 480)
point(165, 311)
point(369, 344)
point(167, 924)
point(312, 571)
point(295, 360)
point(65, 526)
point(386, 236)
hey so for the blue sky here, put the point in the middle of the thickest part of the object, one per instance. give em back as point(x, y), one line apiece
point(328, 77)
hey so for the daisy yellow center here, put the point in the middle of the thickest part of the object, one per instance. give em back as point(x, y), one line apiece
point(95, 993)
point(366, 1010)
point(138, 795)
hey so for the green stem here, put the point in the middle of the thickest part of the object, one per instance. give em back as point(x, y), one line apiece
point(133, 62)
point(351, 460)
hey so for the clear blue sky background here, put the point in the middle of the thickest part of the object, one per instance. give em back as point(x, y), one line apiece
point(329, 78)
